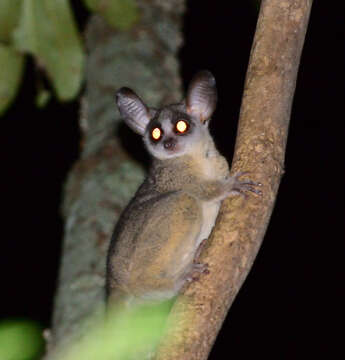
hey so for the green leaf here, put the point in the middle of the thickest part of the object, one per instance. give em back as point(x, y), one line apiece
point(48, 31)
point(20, 340)
point(42, 98)
point(9, 15)
point(12, 64)
point(127, 334)
point(121, 14)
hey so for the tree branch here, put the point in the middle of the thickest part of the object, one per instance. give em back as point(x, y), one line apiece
point(263, 126)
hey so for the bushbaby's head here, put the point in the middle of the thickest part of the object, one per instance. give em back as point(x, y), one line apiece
point(173, 130)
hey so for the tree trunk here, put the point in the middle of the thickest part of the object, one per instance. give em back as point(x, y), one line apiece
point(106, 176)
point(260, 147)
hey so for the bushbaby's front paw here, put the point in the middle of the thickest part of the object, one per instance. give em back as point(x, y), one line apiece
point(240, 186)
point(196, 271)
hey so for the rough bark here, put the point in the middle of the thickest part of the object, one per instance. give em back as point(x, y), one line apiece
point(106, 176)
point(260, 146)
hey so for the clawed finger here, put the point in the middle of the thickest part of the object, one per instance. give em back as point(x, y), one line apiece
point(254, 190)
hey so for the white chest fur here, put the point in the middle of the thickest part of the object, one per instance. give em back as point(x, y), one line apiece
point(209, 214)
point(213, 167)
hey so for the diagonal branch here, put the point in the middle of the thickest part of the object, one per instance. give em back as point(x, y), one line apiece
point(198, 315)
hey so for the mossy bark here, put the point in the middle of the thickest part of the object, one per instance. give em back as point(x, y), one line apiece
point(106, 175)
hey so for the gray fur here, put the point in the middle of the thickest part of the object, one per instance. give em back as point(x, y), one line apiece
point(152, 252)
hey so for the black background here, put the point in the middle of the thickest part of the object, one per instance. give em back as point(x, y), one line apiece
point(283, 309)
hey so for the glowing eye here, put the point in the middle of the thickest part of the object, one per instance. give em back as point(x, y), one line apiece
point(181, 126)
point(156, 133)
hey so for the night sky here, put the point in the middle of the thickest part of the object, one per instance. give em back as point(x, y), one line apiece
point(283, 310)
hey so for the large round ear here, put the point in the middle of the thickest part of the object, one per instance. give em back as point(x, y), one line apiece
point(202, 96)
point(133, 110)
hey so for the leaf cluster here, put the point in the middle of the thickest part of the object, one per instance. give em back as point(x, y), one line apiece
point(47, 31)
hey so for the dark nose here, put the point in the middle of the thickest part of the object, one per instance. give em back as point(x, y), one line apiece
point(169, 144)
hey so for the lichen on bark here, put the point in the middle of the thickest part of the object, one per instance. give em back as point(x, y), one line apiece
point(106, 175)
